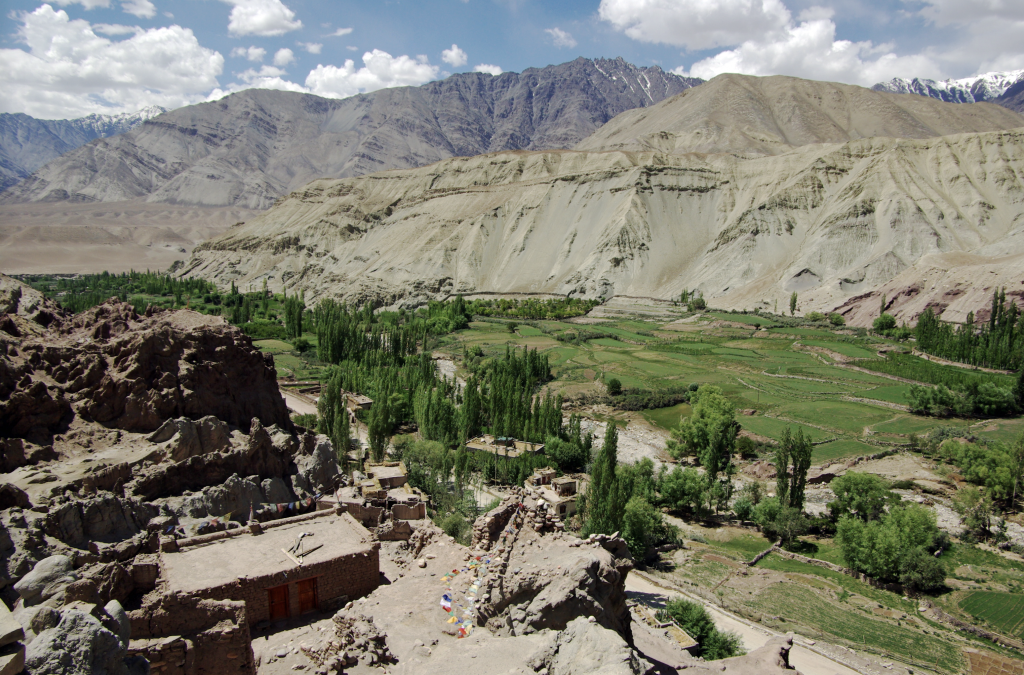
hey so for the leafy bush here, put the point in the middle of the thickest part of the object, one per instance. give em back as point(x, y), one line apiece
point(779, 523)
point(695, 620)
point(888, 547)
point(883, 323)
point(308, 421)
point(643, 527)
point(814, 316)
point(301, 345)
point(922, 573)
point(641, 399)
point(836, 319)
point(863, 495)
point(743, 508)
point(614, 387)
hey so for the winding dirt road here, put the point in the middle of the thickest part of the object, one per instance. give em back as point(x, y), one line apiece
point(642, 588)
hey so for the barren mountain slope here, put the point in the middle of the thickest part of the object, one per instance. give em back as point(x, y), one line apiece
point(771, 115)
point(252, 147)
point(27, 143)
point(829, 221)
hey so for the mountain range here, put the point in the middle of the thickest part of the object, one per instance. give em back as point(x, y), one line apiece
point(744, 188)
point(990, 87)
point(27, 143)
point(250, 148)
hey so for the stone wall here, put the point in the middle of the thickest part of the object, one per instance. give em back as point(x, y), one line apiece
point(347, 577)
point(403, 512)
point(183, 635)
point(489, 526)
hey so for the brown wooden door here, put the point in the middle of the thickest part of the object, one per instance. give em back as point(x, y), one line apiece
point(307, 596)
point(278, 602)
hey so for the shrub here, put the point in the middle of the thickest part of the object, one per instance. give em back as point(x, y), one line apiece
point(836, 319)
point(301, 345)
point(743, 508)
point(863, 495)
point(887, 547)
point(814, 316)
point(922, 573)
point(695, 620)
point(883, 323)
point(781, 523)
point(614, 387)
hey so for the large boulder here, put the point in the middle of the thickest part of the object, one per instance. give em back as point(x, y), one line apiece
point(78, 645)
point(32, 586)
point(318, 470)
point(585, 648)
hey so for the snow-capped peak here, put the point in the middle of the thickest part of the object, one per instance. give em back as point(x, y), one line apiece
point(974, 89)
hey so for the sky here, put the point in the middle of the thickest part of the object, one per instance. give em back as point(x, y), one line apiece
point(69, 58)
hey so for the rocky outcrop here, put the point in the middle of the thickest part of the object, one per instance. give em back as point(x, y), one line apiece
point(126, 371)
point(80, 644)
point(584, 648)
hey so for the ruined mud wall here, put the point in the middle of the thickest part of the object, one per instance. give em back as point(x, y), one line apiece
point(184, 635)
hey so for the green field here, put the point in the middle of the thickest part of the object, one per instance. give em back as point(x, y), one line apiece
point(1003, 611)
point(775, 375)
point(667, 418)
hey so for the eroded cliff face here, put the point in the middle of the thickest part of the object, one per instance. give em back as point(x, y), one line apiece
point(830, 221)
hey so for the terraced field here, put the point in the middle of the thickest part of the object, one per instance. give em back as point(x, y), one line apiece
point(1002, 611)
point(785, 374)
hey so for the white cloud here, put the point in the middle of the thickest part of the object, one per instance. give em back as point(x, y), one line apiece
point(168, 15)
point(454, 56)
point(988, 36)
point(261, 17)
point(352, 48)
point(311, 47)
point(341, 32)
point(143, 9)
point(267, 77)
point(69, 71)
point(488, 68)
point(695, 24)
point(810, 50)
point(252, 53)
point(380, 70)
point(560, 37)
point(87, 4)
point(115, 29)
point(283, 57)
point(962, 12)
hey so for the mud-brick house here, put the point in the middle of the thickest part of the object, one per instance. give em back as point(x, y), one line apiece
point(261, 573)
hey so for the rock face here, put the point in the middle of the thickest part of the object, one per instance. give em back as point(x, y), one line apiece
point(584, 649)
point(125, 371)
point(27, 143)
point(254, 146)
point(831, 222)
point(78, 645)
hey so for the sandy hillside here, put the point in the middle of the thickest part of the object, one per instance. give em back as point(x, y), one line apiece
point(117, 237)
point(772, 115)
point(832, 222)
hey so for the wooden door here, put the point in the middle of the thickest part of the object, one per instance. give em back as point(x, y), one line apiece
point(307, 596)
point(278, 602)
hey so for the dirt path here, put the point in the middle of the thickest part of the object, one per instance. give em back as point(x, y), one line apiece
point(299, 403)
point(803, 659)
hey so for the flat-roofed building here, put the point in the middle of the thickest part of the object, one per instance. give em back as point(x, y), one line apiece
point(503, 446)
point(314, 562)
